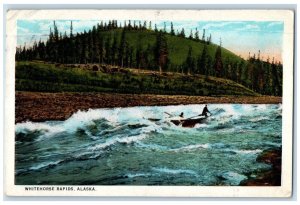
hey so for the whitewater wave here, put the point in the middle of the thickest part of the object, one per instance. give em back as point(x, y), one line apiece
point(137, 175)
point(191, 147)
point(258, 119)
point(256, 151)
point(166, 170)
point(233, 178)
point(28, 126)
point(123, 140)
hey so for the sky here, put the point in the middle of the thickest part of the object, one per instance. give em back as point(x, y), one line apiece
point(240, 37)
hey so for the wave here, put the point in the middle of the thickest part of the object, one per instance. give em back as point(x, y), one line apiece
point(174, 171)
point(137, 175)
point(258, 119)
point(123, 140)
point(28, 126)
point(256, 151)
point(233, 178)
point(38, 167)
point(137, 116)
point(155, 147)
point(191, 147)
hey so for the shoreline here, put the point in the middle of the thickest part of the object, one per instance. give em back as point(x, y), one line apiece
point(40, 106)
point(269, 177)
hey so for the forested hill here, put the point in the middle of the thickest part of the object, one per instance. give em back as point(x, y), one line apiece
point(138, 45)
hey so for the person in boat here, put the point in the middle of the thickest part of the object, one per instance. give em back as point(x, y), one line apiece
point(181, 115)
point(205, 111)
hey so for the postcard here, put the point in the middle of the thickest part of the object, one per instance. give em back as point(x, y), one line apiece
point(149, 103)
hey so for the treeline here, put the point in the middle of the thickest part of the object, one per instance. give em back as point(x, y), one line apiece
point(114, 48)
point(96, 47)
point(264, 77)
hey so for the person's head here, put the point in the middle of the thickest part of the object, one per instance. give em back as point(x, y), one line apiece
point(205, 105)
point(181, 114)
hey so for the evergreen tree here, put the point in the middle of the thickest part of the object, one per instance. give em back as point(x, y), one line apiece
point(165, 28)
point(161, 51)
point(197, 35)
point(114, 50)
point(182, 34)
point(191, 35)
point(218, 65)
point(71, 51)
point(55, 43)
point(101, 48)
point(203, 35)
point(209, 39)
point(107, 51)
point(172, 30)
point(84, 48)
point(189, 62)
point(203, 62)
point(122, 48)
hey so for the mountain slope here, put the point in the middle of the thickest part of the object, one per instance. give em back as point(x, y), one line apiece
point(177, 46)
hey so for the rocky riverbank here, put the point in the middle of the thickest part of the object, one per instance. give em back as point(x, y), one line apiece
point(270, 177)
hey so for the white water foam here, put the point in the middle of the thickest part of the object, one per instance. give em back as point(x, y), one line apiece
point(138, 175)
point(258, 119)
point(174, 171)
point(233, 178)
point(244, 152)
point(125, 140)
point(36, 126)
point(191, 147)
point(43, 165)
point(256, 151)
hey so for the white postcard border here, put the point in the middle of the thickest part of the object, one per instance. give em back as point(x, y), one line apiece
point(287, 16)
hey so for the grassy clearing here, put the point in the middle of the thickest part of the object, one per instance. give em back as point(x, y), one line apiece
point(44, 77)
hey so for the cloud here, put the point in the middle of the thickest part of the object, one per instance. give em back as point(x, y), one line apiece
point(251, 27)
point(23, 30)
point(221, 24)
point(275, 24)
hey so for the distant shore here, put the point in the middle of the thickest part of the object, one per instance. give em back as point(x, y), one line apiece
point(38, 106)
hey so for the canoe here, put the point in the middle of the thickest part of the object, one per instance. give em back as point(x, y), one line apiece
point(189, 122)
point(154, 119)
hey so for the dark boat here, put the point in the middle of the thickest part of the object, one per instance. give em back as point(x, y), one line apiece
point(153, 119)
point(189, 122)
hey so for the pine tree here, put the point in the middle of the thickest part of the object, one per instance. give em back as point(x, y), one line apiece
point(101, 48)
point(209, 39)
point(122, 48)
point(55, 43)
point(191, 35)
point(161, 51)
point(218, 65)
point(107, 51)
point(189, 62)
point(197, 35)
point(84, 48)
point(202, 62)
point(172, 30)
point(165, 28)
point(155, 28)
point(182, 34)
point(203, 35)
point(114, 50)
point(72, 45)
